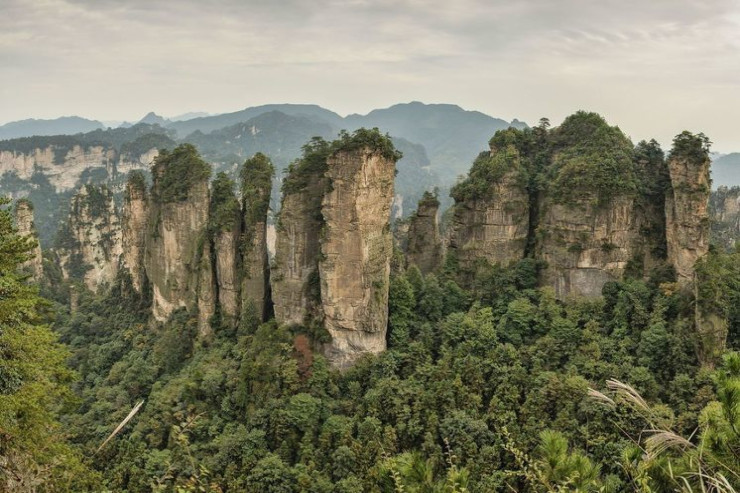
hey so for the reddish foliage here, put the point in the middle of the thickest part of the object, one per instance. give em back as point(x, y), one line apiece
point(303, 353)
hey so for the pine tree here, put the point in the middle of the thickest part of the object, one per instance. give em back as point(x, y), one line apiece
point(34, 381)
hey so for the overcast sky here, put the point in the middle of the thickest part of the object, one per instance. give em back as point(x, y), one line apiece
point(653, 67)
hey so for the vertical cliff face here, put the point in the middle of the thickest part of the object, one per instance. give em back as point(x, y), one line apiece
point(134, 229)
point(334, 244)
point(356, 252)
point(295, 276)
point(686, 204)
point(205, 288)
point(24, 222)
point(586, 230)
point(491, 214)
point(177, 223)
point(650, 238)
point(256, 187)
point(724, 212)
point(225, 229)
point(92, 245)
point(424, 243)
point(586, 244)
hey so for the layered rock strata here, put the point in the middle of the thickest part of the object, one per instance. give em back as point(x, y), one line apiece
point(334, 244)
point(586, 244)
point(355, 253)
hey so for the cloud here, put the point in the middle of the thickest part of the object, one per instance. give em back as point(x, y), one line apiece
point(651, 66)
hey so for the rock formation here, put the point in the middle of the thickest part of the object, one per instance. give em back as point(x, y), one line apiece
point(134, 225)
point(584, 201)
point(295, 276)
point(177, 229)
point(686, 206)
point(225, 227)
point(724, 212)
point(586, 244)
point(334, 245)
point(256, 187)
point(491, 214)
point(205, 289)
point(424, 247)
point(356, 251)
point(65, 167)
point(23, 213)
point(91, 241)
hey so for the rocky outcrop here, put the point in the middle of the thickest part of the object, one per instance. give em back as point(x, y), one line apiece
point(65, 167)
point(177, 223)
point(295, 276)
point(205, 290)
point(226, 247)
point(493, 228)
point(23, 213)
point(356, 251)
point(491, 212)
point(334, 244)
point(92, 242)
point(724, 212)
point(225, 230)
point(586, 244)
point(424, 247)
point(256, 187)
point(686, 206)
point(134, 226)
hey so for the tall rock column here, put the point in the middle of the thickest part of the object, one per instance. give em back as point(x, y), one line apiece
point(225, 227)
point(686, 204)
point(91, 242)
point(256, 187)
point(134, 226)
point(424, 243)
point(23, 213)
point(178, 220)
point(294, 275)
point(356, 251)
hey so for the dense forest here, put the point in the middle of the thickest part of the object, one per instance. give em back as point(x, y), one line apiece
point(490, 382)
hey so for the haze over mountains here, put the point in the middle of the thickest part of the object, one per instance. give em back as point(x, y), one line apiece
point(447, 132)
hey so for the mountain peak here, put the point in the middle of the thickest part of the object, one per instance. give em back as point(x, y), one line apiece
point(152, 118)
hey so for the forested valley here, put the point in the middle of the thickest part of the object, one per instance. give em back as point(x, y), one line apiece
point(584, 339)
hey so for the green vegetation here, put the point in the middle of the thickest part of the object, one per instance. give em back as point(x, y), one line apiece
point(310, 167)
point(363, 138)
point(224, 210)
point(34, 382)
point(145, 143)
point(176, 172)
point(256, 184)
point(689, 146)
point(583, 154)
point(590, 156)
point(459, 401)
point(489, 168)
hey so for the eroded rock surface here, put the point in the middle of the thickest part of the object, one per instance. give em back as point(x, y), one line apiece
point(356, 252)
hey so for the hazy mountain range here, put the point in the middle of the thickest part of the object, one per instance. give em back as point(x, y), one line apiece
point(450, 135)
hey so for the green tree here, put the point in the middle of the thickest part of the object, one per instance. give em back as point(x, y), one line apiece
point(34, 382)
